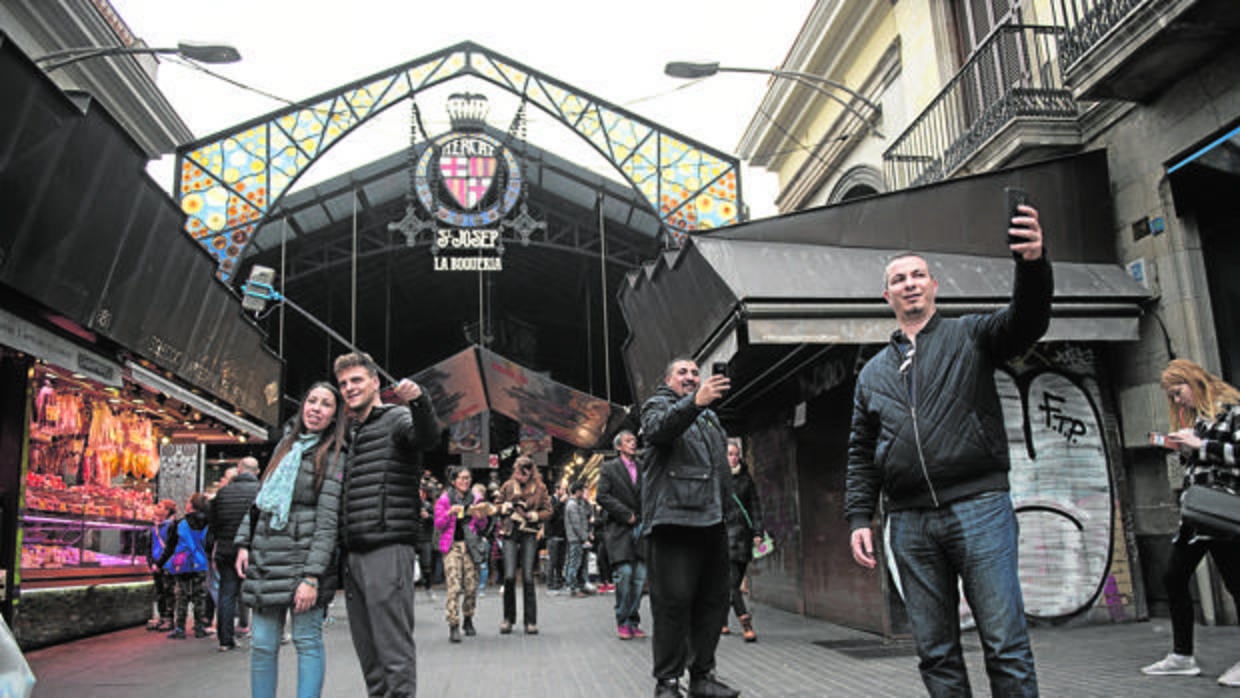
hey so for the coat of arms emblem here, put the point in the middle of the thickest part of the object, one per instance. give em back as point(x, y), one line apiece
point(468, 177)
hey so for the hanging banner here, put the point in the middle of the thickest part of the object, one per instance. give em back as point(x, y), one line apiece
point(533, 440)
point(534, 398)
point(455, 387)
point(469, 435)
point(469, 383)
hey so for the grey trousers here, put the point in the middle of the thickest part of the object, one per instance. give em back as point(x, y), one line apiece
point(379, 598)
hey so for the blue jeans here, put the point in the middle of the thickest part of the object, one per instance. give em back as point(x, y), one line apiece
point(975, 540)
point(630, 577)
point(576, 555)
point(266, 629)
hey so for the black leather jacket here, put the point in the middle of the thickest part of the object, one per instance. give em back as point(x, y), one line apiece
point(380, 503)
point(933, 433)
point(685, 476)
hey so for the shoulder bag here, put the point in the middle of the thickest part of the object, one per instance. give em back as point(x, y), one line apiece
point(767, 546)
point(1211, 509)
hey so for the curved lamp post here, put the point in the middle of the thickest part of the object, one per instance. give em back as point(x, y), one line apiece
point(683, 69)
point(204, 53)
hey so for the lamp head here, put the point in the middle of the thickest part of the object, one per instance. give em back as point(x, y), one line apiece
point(257, 289)
point(208, 53)
point(684, 69)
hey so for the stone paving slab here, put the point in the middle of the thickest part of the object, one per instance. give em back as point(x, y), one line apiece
point(577, 655)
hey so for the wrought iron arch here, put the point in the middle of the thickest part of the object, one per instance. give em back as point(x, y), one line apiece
point(228, 183)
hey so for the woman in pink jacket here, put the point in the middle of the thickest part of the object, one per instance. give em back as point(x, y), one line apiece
point(459, 520)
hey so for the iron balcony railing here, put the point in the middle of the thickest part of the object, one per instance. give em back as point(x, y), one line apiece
point(1085, 22)
point(1014, 73)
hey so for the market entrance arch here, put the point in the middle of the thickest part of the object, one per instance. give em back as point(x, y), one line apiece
point(227, 184)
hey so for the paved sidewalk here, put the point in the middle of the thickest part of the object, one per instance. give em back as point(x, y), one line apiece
point(577, 655)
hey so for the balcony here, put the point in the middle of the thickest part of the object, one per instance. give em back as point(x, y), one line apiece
point(1006, 105)
point(1132, 50)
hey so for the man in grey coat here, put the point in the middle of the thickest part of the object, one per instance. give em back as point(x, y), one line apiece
point(620, 496)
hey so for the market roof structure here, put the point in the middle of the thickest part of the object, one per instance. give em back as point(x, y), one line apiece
point(229, 183)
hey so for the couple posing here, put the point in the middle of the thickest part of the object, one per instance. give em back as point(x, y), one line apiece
point(340, 492)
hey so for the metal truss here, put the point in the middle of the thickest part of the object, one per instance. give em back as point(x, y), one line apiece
point(229, 183)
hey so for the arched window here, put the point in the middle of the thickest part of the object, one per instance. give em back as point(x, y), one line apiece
point(859, 181)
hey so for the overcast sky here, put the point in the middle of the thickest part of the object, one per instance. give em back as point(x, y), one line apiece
point(616, 51)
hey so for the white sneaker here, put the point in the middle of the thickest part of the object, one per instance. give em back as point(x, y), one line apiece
point(1173, 665)
point(1231, 677)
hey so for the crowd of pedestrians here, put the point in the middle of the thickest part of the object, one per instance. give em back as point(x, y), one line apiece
point(344, 504)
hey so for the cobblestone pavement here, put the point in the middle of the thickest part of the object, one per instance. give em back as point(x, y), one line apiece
point(577, 655)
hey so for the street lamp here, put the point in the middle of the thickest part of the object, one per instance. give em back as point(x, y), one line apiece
point(684, 69)
point(204, 53)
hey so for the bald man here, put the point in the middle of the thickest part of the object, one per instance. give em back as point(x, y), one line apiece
point(229, 507)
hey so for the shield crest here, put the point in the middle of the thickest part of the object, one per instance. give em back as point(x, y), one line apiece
point(467, 178)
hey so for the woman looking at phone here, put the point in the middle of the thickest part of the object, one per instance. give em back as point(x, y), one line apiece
point(1205, 417)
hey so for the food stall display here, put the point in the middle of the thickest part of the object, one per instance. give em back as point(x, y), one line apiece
point(89, 492)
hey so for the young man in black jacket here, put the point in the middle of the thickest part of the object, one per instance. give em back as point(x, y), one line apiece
point(928, 435)
point(685, 482)
point(379, 516)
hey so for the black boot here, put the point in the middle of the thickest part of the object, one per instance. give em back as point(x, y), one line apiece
point(454, 633)
point(667, 688)
point(709, 686)
point(468, 627)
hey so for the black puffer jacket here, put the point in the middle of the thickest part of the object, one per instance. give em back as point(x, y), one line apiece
point(934, 433)
point(229, 507)
point(685, 476)
point(305, 547)
point(741, 530)
point(384, 472)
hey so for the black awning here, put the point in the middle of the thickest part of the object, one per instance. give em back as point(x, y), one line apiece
point(90, 236)
point(963, 215)
point(722, 294)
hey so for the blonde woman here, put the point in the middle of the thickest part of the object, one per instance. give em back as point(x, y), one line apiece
point(1205, 418)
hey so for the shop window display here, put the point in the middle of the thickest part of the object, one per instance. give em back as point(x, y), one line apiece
point(89, 483)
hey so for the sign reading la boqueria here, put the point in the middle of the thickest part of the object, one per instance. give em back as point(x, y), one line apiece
point(470, 181)
point(478, 240)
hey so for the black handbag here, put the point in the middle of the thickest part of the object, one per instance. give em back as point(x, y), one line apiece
point(1211, 509)
point(477, 546)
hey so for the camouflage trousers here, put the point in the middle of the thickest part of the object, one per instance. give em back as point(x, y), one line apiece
point(461, 577)
point(191, 589)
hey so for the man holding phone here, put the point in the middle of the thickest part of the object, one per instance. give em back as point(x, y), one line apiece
point(928, 436)
point(684, 484)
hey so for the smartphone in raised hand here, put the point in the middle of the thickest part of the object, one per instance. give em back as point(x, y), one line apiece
point(1015, 197)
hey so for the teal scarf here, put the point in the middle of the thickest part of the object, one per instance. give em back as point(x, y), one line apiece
point(277, 492)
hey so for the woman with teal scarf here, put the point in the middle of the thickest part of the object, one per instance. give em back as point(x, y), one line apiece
point(286, 545)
